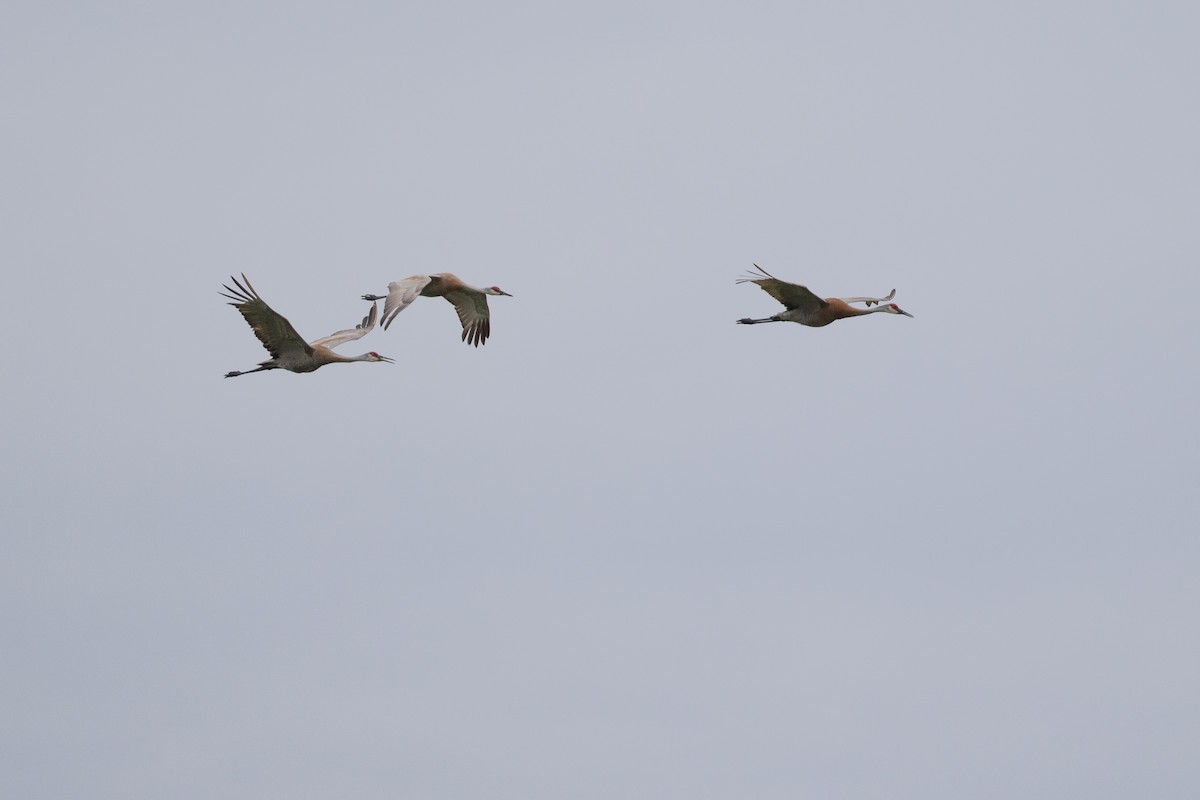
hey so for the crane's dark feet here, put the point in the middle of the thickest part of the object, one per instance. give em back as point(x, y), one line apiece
point(374, 297)
point(232, 374)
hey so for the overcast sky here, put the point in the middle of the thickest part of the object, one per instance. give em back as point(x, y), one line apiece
point(628, 548)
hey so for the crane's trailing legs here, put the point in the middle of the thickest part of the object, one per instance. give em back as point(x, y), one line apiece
point(748, 321)
point(235, 373)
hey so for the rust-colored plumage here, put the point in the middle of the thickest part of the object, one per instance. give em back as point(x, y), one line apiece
point(287, 348)
point(470, 302)
point(804, 307)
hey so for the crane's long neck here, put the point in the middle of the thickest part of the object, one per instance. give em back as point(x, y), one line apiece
point(337, 358)
point(852, 311)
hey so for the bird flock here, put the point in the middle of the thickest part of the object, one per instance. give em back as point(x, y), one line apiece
point(289, 350)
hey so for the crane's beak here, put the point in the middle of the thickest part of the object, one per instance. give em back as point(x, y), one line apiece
point(905, 313)
point(388, 360)
point(506, 294)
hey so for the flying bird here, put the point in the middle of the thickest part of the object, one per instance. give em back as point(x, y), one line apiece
point(289, 351)
point(469, 301)
point(801, 305)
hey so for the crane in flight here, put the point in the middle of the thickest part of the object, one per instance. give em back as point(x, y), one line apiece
point(288, 350)
point(801, 305)
point(469, 301)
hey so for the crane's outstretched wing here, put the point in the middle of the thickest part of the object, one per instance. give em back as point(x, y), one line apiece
point(870, 301)
point(792, 295)
point(271, 328)
point(350, 334)
point(401, 295)
point(474, 315)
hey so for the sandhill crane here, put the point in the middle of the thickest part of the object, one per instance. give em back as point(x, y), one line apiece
point(804, 307)
point(289, 351)
point(469, 301)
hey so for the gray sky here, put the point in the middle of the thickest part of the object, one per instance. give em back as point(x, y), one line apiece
point(629, 548)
